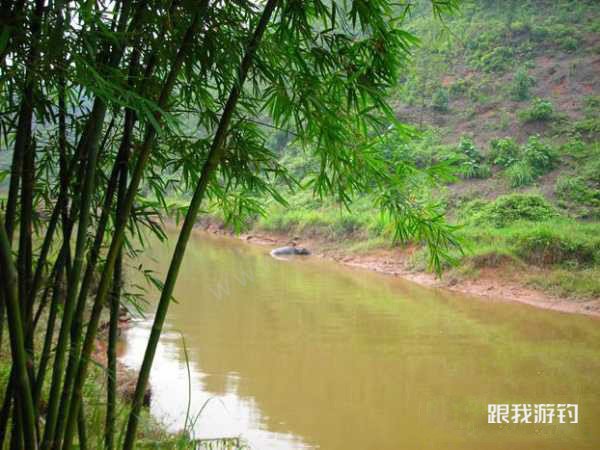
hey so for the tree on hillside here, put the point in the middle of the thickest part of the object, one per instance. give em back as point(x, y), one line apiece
point(105, 102)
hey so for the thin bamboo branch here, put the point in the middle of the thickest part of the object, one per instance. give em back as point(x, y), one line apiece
point(118, 235)
point(212, 162)
point(24, 122)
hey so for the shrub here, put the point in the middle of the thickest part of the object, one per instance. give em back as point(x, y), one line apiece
point(569, 44)
point(539, 155)
point(520, 174)
point(460, 87)
point(504, 152)
point(539, 110)
point(511, 208)
point(547, 245)
point(468, 149)
point(497, 60)
point(521, 84)
point(574, 147)
point(573, 188)
point(476, 170)
point(472, 209)
point(588, 126)
point(591, 172)
point(523, 165)
point(591, 104)
point(472, 165)
point(540, 33)
point(440, 100)
point(579, 191)
point(346, 225)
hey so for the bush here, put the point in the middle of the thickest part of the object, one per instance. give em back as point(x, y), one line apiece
point(579, 191)
point(539, 155)
point(511, 208)
point(440, 100)
point(574, 147)
point(591, 104)
point(540, 33)
point(468, 149)
point(471, 165)
point(521, 84)
point(539, 111)
point(520, 174)
point(547, 245)
point(591, 172)
point(504, 152)
point(574, 188)
point(569, 44)
point(346, 225)
point(498, 60)
point(460, 87)
point(523, 165)
point(588, 126)
point(476, 170)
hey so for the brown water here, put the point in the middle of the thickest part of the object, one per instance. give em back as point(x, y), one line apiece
point(307, 354)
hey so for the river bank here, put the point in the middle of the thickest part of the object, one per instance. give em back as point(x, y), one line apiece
point(272, 342)
point(501, 283)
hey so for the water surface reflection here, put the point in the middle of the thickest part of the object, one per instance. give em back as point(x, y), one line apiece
point(306, 354)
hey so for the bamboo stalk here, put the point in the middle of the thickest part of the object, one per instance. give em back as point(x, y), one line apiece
point(45, 353)
point(54, 424)
point(111, 389)
point(15, 325)
point(24, 122)
point(77, 321)
point(82, 429)
point(92, 137)
point(119, 232)
point(16, 438)
point(24, 260)
point(214, 157)
point(6, 406)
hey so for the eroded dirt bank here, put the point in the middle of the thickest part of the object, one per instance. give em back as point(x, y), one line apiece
point(492, 284)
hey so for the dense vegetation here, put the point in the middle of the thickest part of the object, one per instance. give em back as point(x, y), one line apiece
point(474, 137)
point(507, 99)
point(108, 107)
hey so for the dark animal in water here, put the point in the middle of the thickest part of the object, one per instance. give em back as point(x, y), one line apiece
point(284, 251)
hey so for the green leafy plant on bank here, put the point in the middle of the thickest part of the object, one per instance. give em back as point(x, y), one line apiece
point(540, 110)
point(521, 85)
point(440, 100)
point(508, 209)
point(504, 152)
point(471, 161)
point(525, 165)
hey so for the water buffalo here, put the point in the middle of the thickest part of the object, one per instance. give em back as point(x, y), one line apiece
point(286, 251)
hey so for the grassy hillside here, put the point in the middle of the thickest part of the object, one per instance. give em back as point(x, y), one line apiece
point(507, 94)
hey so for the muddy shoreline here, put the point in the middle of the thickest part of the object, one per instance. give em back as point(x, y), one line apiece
point(491, 284)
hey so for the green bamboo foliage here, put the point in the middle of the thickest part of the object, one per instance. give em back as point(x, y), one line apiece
point(214, 156)
point(118, 237)
point(109, 108)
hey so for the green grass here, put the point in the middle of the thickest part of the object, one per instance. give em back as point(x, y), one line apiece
point(555, 242)
point(326, 220)
point(488, 56)
point(515, 231)
point(582, 284)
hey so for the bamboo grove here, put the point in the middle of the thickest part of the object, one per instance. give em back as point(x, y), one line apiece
point(108, 106)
